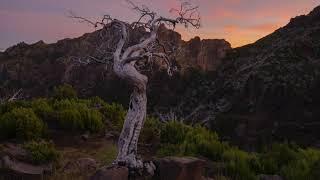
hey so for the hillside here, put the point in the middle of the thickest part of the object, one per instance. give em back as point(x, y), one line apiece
point(263, 92)
point(268, 90)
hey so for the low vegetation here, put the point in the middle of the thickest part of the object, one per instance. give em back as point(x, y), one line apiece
point(29, 123)
point(286, 160)
point(22, 124)
point(41, 152)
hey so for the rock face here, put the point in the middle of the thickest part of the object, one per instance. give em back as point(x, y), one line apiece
point(37, 68)
point(207, 53)
point(174, 168)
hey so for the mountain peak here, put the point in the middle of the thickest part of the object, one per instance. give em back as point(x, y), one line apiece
point(306, 20)
point(315, 12)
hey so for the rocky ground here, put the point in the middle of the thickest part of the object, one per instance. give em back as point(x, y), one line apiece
point(90, 157)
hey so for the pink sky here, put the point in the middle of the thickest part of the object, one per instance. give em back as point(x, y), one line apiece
point(238, 21)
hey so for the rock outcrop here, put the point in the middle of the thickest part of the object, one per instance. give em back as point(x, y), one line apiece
point(206, 54)
point(38, 67)
point(183, 168)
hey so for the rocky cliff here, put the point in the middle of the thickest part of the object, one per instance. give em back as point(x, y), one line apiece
point(38, 67)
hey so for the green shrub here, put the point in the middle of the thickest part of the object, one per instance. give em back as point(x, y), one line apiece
point(70, 119)
point(21, 123)
point(305, 166)
point(96, 102)
point(174, 132)
point(75, 115)
point(239, 164)
point(65, 91)
point(115, 113)
point(69, 104)
point(202, 142)
point(41, 152)
point(9, 106)
point(180, 139)
point(170, 150)
point(92, 119)
point(42, 108)
point(278, 156)
point(151, 131)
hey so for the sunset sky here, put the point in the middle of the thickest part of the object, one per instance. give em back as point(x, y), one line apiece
point(238, 21)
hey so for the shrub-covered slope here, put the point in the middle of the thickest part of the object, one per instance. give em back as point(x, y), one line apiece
point(267, 90)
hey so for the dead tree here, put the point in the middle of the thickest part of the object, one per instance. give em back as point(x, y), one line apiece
point(127, 60)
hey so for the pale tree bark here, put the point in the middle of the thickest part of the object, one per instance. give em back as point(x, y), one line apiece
point(16, 96)
point(125, 60)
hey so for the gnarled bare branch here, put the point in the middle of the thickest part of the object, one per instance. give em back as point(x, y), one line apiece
point(129, 60)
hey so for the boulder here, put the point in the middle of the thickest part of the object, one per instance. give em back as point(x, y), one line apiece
point(15, 151)
point(111, 173)
point(85, 137)
point(180, 168)
point(13, 168)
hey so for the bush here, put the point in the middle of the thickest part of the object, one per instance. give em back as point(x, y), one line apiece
point(96, 102)
point(70, 119)
point(76, 116)
point(170, 150)
point(92, 119)
point(151, 131)
point(21, 123)
point(174, 132)
point(180, 139)
point(202, 142)
point(305, 166)
point(239, 164)
point(278, 156)
point(65, 91)
point(41, 152)
point(69, 104)
point(42, 108)
point(9, 106)
point(115, 114)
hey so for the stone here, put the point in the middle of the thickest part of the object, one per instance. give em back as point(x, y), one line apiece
point(81, 165)
point(85, 137)
point(179, 168)
point(14, 168)
point(269, 177)
point(16, 152)
point(150, 167)
point(111, 173)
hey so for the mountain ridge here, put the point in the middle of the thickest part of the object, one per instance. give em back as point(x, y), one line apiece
point(256, 94)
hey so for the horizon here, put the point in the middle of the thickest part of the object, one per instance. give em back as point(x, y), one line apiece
point(232, 20)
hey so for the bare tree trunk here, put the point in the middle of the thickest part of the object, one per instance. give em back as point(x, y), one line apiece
point(124, 61)
point(128, 140)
